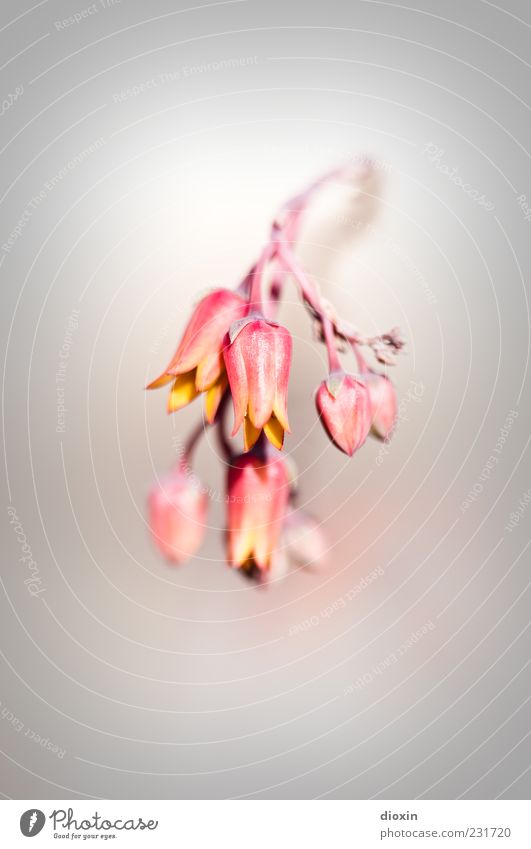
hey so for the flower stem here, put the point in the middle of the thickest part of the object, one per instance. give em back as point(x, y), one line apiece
point(360, 359)
point(286, 226)
point(256, 293)
point(308, 288)
point(280, 251)
point(223, 442)
point(334, 364)
point(312, 296)
point(191, 444)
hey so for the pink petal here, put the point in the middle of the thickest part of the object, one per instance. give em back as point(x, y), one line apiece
point(257, 497)
point(237, 375)
point(257, 341)
point(283, 346)
point(206, 329)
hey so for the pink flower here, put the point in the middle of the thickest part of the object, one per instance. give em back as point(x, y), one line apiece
point(258, 360)
point(344, 406)
point(233, 347)
point(197, 365)
point(303, 539)
point(177, 512)
point(258, 492)
point(383, 404)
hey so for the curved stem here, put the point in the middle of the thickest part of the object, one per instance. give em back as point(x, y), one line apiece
point(312, 296)
point(384, 346)
point(360, 359)
point(191, 444)
point(285, 227)
point(308, 288)
point(256, 293)
point(297, 204)
point(330, 341)
point(223, 442)
point(284, 232)
point(244, 287)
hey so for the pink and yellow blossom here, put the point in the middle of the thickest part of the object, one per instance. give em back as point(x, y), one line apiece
point(257, 359)
point(233, 342)
point(197, 365)
point(257, 496)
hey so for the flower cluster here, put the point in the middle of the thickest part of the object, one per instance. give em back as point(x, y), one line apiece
point(234, 349)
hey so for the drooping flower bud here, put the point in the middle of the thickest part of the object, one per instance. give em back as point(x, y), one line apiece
point(303, 539)
point(258, 492)
point(197, 365)
point(177, 510)
point(258, 358)
point(344, 406)
point(383, 404)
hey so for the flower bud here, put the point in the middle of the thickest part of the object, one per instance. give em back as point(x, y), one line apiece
point(258, 361)
point(177, 510)
point(344, 406)
point(383, 404)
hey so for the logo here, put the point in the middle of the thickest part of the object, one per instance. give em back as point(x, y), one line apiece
point(31, 822)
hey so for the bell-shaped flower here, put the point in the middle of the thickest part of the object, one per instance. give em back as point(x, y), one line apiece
point(344, 406)
point(197, 365)
point(258, 358)
point(257, 495)
point(383, 404)
point(177, 508)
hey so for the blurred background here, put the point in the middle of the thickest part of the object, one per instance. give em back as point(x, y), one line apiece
point(145, 149)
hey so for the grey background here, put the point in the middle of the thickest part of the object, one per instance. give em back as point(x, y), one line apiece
point(161, 683)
